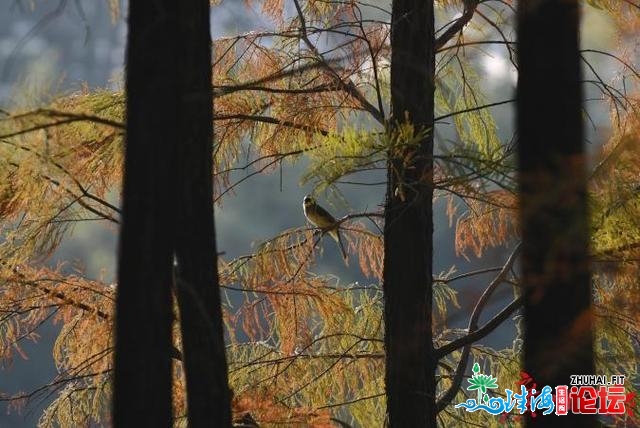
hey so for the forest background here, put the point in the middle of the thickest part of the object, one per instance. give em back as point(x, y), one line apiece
point(32, 72)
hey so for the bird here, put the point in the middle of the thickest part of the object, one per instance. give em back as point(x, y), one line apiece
point(321, 219)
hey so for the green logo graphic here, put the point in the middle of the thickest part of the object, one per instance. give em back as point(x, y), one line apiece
point(481, 382)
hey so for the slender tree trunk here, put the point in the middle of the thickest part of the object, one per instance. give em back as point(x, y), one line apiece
point(555, 230)
point(196, 275)
point(408, 232)
point(142, 382)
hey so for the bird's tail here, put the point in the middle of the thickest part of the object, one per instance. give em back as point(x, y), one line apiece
point(335, 234)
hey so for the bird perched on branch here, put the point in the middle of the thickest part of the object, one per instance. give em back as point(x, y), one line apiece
point(321, 219)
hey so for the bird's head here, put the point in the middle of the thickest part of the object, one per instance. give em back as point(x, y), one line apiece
point(308, 200)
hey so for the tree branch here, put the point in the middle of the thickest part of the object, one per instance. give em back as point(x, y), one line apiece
point(470, 338)
point(458, 25)
point(346, 86)
point(269, 119)
point(70, 117)
point(470, 109)
point(479, 307)
point(64, 170)
point(476, 333)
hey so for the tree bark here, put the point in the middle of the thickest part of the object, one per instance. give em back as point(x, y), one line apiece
point(408, 231)
point(168, 211)
point(197, 284)
point(142, 379)
point(555, 227)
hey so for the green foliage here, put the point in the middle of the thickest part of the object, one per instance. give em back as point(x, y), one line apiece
point(458, 89)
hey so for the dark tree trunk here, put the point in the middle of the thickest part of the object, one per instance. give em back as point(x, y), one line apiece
point(408, 231)
point(197, 276)
point(555, 231)
point(167, 211)
point(142, 380)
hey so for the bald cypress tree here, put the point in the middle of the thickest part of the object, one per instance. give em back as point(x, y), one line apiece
point(167, 217)
point(197, 282)
point(408, 230)
point(555, 233)
point(144, 308)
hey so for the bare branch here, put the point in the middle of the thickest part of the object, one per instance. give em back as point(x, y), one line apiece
point(468, 110)
point(355, 400)
point(476, 333)
point(458, 25)
point(272, 120)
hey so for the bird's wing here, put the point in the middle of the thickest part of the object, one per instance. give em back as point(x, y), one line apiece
point(325, 215)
